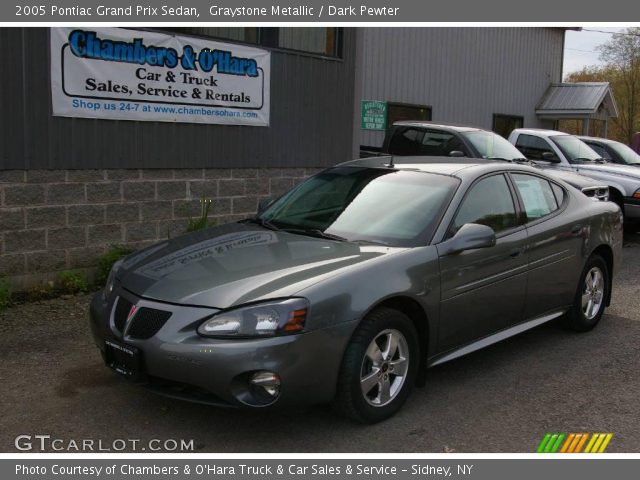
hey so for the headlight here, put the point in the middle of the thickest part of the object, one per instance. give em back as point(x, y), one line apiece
point(280, 317)
point(111, 279)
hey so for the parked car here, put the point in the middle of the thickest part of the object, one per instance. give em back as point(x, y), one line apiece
point(350, 285)
point(410, 138)
point(613, 151)
point(561, 151)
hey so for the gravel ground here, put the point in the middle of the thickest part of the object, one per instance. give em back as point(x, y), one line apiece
point(501, 399)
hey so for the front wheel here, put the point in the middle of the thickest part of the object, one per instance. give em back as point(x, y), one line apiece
point(379, 367)
point(590, 300)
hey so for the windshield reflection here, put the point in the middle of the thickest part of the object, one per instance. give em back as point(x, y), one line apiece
point(377, 205)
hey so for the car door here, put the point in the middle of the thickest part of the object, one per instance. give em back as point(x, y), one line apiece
point(483, 290)
point(534, 148)
point(555, 239)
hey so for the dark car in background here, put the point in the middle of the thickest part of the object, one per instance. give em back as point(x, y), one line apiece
point(612, 151)
point(349, 286)
point(421, 138)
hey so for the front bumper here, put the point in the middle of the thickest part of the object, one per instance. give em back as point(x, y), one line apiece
point(179, 363)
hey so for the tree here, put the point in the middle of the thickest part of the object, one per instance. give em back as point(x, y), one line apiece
point(621, 56)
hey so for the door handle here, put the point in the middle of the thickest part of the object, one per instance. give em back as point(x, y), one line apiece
point(516, 252)
point(576, 229)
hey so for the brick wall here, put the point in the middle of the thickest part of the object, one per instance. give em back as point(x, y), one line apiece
point(54, 220)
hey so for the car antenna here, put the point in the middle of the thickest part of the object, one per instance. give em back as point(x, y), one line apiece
point(391, 165)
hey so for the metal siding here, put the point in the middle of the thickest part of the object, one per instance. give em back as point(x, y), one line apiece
point(310, 125)
point(465, 74)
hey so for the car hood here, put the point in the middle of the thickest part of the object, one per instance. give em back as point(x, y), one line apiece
point(573, 179)
point(237, 263)
point(611, 168)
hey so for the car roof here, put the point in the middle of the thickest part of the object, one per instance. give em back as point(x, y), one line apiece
point(451, 166)
point(443, 126)
point(540, 131)
point(596, 139)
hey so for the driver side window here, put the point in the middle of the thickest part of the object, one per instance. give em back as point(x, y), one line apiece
point(490, 203)
point(600, 150)
point(533, 147)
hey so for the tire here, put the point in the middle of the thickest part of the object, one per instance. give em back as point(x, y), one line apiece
point(370, 388)
point(583, 316)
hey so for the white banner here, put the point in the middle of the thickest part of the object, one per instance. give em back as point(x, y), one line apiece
point(119, 74)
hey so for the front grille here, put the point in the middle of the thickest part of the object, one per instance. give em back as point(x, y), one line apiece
point(146, 322)
point(597, 193)
point(123, 307)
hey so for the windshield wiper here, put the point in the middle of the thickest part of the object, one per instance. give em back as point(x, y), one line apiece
point(369, 242)
point(502, 159)
point(259, 221)
point(510, 160)
point(314, 232)
point(587, 160)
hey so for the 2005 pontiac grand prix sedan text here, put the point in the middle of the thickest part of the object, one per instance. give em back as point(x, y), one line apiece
point(350, 285)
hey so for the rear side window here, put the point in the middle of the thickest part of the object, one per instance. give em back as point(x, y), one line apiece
point(537, 195)
point(417, 141)
point(533, 147)
point(489, 202)
point(559, 193)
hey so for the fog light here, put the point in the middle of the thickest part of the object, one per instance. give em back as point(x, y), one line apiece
point(267, 382)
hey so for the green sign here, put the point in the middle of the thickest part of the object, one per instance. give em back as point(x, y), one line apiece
point(373, 115)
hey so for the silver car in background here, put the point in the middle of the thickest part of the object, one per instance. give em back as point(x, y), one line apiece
point(612, 151)
point(561, 151)
point(430, 139)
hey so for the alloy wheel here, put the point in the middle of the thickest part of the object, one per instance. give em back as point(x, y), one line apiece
point(384, 367)
point(593, 293)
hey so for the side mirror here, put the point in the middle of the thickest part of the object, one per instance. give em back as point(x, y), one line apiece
point(550, 157)
point(469, 237)
point(264, 204)
point(456, 153)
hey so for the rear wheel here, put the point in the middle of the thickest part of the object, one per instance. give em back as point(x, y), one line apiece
point(590, 300)
point(379, 367)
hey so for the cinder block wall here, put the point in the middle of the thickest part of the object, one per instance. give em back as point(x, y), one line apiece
point(54, 220)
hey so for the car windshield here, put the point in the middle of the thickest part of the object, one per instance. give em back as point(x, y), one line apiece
point(626, 153)
point(491, 145)
point(575, 150)
point(385, 206)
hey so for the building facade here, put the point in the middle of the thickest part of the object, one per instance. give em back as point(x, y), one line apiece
point(70, 188)
point(487, 77)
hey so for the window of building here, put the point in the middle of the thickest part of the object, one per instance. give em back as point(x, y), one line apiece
point(322, 41)
point(397, 112)
point(533, 147)
point(505, 124)
point(490, 203)
point(537, 195)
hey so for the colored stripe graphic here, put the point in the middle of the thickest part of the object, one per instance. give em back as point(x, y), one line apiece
point(574, 442)
point(583, 439)
point(543, 443)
